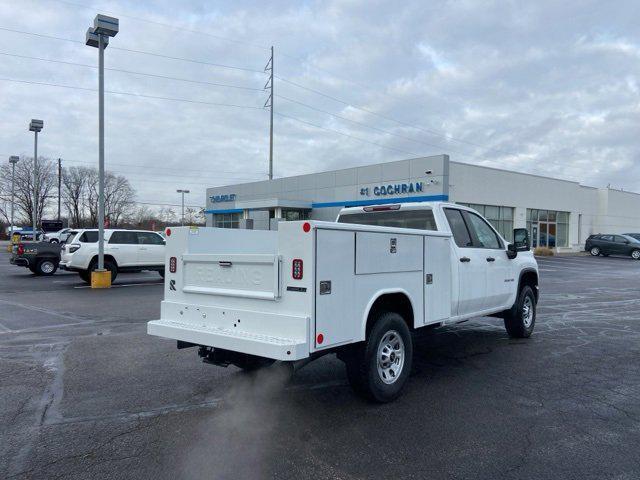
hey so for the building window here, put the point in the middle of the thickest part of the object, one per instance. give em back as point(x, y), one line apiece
point(292, 214)
point(548, 228)
point(226, 220)
point(500, 217)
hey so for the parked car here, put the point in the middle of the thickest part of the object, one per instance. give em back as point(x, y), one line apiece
point(58, 237)
point(612, 244)
point(26, 236)
point(42, 258)
point(634, 235)
point(124, 251)
point(357, 287)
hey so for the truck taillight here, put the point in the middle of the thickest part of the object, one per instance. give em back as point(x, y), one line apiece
point(172, 264)
point(296, 269)
point(20, 249)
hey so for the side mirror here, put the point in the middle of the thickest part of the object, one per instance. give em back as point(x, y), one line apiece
point(512, 251)
point(521, 239)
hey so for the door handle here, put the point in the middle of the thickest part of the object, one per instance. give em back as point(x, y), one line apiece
point(491, 259)
point(465, 259)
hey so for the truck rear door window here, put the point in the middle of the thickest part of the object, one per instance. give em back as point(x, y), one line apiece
point(458, 227)
point(418, 219)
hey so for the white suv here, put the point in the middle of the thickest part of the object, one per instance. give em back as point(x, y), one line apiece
point(60, 236)
point(124, 251)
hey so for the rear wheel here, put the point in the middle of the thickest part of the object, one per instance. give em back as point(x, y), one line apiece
point(108, 265)
point(378, 368)
point(85, 275)
point(635, 254)
point(521, 318)
point(53, 240)
point(595, 251)
point(46, 266)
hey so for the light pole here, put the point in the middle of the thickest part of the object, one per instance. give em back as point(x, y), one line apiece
point(182, 192)
point(98, 36)
point(13, 159)
point(35, 126)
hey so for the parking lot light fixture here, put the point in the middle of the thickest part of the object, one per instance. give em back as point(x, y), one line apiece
point(182, 192)
point(13, 159)
point(36, 127)
point(98, 36)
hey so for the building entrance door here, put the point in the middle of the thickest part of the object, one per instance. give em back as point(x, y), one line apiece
point(546, 234)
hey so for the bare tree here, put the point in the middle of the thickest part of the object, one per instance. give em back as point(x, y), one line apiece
point(46, 182)
point(74, 188)
point(118, 198)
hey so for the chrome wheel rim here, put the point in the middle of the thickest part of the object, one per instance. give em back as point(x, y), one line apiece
point(46, 267)
point(391, 355)
point(595, 251)
point(635, 254)
point(527, 312)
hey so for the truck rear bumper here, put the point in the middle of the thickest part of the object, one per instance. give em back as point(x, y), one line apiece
point(22, 262)
point(234, 340)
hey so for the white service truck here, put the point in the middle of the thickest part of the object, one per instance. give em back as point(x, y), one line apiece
point(357, 287)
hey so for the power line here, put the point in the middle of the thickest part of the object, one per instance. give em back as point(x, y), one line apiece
point(161, 24)
point(344, 134)
point(162, 168)
point(130, 50)
point(141, 95)
point(153, 75)
point(400, 122)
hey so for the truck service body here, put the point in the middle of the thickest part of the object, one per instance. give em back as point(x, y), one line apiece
point(357, 289)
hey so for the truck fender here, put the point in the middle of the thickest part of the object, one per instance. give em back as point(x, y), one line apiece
point(373, 300)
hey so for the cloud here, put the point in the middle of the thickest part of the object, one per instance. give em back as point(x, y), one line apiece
point(542, 87)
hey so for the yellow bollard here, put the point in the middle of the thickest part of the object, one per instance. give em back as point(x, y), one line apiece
point(101, 279)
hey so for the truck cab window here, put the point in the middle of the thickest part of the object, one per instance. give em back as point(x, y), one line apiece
point(458, 227)
point(485, 235)
point(418, 219)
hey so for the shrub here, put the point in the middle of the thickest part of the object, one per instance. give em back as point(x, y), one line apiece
point(543, 252)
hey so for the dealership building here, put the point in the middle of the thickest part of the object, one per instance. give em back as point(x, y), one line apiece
point(559, 214)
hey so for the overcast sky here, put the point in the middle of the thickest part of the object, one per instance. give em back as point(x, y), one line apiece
point(542, 87)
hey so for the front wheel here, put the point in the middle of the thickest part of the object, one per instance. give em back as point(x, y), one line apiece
point(595, 251)
point(379, 368)
point(53, 240)
point(521, 318)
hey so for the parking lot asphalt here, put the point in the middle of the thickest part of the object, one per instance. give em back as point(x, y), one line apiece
point(85, 393)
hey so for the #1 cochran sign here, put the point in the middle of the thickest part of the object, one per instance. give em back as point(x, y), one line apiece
point(392, 189)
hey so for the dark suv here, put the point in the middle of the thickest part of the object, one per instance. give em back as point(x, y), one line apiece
point(609, 244)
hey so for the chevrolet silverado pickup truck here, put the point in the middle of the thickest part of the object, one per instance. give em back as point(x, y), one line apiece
point(42, 258)
point(358, 287)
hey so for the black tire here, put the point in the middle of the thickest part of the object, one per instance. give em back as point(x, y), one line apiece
point(161, 272)
point(594, 251)
point(635, 254)
point(520, 320)
point(363, 362)
point(46, 267)
point(108, 265)
point(53, 240)
point(85, 275)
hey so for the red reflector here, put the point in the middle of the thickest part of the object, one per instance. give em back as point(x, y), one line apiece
point(320, 338)
point(168, 232)
point(306, 227)
point(172, 265)
point(20, 249)
point(296, 269)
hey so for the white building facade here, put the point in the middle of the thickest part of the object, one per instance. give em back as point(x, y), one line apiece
point(558, 214)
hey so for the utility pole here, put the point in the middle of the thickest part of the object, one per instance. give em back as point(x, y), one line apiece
point(13, 159)
point(35, 126)
point(182, 192)
point(269, 103)
point(98, 36)
point(59, 185)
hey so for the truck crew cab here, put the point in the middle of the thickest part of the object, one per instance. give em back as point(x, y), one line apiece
point(357, 287)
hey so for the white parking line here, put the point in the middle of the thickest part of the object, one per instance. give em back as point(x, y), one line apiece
point(125, 285)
